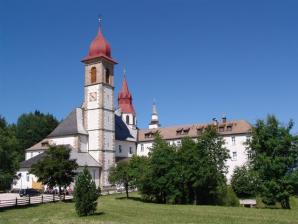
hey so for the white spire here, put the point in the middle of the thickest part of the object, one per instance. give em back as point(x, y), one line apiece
point(154, 109)
point(154, 117)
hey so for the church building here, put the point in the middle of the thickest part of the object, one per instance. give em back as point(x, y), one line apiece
point(100, 134)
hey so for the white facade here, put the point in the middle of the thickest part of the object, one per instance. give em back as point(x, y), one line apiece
point(125, 149)
point(70, 140)
point(234, 143)
point(238, 154)
point(25, 179)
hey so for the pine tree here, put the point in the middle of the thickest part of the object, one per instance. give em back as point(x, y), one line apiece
point(85, 194)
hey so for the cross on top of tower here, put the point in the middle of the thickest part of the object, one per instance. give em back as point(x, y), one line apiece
point(100, 22)
point(124, 73)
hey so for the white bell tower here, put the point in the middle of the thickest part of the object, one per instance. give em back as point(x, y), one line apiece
point(99, 118)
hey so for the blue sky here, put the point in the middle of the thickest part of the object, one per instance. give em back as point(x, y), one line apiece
point(198, 59)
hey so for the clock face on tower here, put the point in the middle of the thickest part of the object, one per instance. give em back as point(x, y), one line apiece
point(92, 96)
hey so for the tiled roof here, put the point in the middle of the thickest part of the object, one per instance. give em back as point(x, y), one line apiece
point(72, 125)
point(82, 159)
point(28, 163)
point(42, 145)
point(193, 130)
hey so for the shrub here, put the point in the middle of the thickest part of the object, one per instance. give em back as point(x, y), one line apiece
point(244, 182)
point(85, 194)
point(227, 197)
point(231, 198)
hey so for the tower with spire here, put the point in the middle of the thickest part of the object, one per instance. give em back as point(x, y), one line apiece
point(99, 118)
point(154, 123)
point(125, 104)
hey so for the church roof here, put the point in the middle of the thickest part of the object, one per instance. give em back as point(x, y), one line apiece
point(122, 132)
point(193, 130)
point(42, 145)
point(82, 159)
point(125, 99)
point(71, 125)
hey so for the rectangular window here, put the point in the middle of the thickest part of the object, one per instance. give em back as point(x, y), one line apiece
point(229, 128)
point(120, 149)
point(179, 143)
point(94, 172)
point(130, 150)
point(185, 131)
point(234, 156)
point(27, 177)
point(233, 140)
point(199, 131)
point(249, 155)
point(142, 147)
point(179, 131)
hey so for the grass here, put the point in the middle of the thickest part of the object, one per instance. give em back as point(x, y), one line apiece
point(117, 209)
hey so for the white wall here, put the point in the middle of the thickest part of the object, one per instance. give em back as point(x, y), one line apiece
point(125, 149)
point(30, 154)
point(83, 143)
point(25, 181)
point(94, 89)
point(237, 146)
point(143, 148)
point(72, 140)
point(108, 98)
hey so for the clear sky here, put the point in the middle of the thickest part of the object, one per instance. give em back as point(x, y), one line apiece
point(198, 59)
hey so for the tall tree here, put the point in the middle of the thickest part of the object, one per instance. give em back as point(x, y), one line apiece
point(161, 179)
point(85, 194)
point(138, 165)
point(120, 174)
point(8, 154)
point(274, 151)
point(33, 127)
point(204, 166)
point(56, 168)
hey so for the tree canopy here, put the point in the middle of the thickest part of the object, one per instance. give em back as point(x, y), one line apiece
point(191, 173)
point(33, 127)
point(120, 174)
point(274, 152)
point(56, 168)
point(8, 154)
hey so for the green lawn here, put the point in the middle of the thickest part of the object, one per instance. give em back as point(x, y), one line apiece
point(113, 209)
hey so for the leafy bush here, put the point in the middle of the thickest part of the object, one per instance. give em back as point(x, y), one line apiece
point(227, 197)
point(231, 198)
point(244, 182)
point(85, 194)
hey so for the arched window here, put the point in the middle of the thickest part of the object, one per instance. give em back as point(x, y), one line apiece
point(127, 119)
point(108, 76)
point(93, 74)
